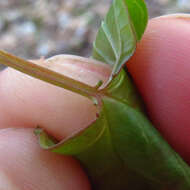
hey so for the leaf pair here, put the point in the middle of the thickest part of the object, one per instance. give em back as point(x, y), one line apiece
point(123, 26)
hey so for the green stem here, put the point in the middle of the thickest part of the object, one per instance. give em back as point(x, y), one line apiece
point(47, 75)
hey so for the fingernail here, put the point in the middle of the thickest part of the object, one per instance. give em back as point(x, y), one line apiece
point(174, 16)
point(6, 183)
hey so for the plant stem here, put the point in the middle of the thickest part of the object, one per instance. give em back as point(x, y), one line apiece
point(47, 75)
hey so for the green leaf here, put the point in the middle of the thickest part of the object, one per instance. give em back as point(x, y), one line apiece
point(138, 15)
point(123, 26)
point(142, 148)
point(122, 150)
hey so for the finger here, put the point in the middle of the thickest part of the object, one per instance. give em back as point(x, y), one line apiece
point(28, 102)
point(23, 165)
point(161, 71)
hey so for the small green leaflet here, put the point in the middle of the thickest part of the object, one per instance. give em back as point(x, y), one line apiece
point(123, 26)
point(138, 16)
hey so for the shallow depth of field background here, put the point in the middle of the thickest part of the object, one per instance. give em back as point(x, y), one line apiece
point(35, 28)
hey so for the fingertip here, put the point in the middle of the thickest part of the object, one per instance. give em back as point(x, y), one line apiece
point(161, 57)
point(24, 165)
point(161, 71)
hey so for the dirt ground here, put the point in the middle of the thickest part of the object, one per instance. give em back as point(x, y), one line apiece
point(35, 28)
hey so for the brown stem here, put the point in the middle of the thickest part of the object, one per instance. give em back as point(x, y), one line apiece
point(47, 75)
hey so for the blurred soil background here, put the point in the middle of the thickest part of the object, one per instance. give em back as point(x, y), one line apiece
point(35, 28)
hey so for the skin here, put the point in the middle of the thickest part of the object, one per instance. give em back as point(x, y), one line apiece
point(160, 69)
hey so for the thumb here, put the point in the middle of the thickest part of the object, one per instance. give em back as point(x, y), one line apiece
point(161, 71)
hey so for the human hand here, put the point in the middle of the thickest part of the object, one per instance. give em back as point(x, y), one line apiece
point(158, 67)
